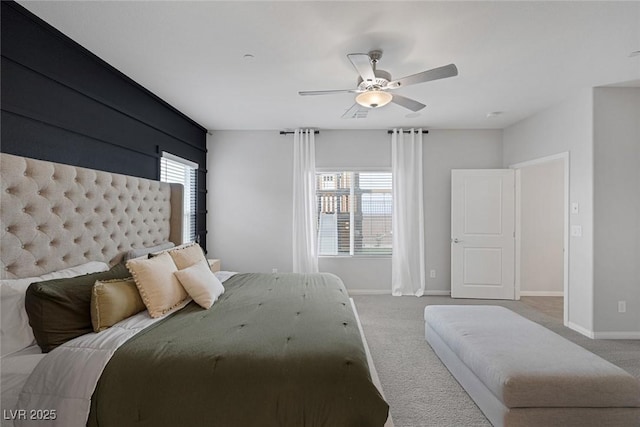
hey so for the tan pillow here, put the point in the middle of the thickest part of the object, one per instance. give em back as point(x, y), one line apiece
point(113, 301)
point(186, 256)
point(158, 252)
point(201, 284)
point(159, 288)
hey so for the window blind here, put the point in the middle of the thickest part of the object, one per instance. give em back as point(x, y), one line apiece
point(354, 213)
point(176, 170)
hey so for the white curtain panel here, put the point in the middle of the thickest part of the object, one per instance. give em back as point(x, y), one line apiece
point(305, 247)
point(408, 259)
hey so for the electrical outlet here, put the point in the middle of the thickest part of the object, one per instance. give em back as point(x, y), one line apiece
point(432, 274)
point(622, 306)
point(274, 270)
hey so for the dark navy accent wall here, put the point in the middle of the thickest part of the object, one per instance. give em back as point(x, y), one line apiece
point(61, 103)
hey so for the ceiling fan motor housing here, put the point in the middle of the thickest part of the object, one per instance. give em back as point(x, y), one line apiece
point(382, 79)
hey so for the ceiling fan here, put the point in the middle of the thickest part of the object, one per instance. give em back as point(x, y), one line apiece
point(374, 85)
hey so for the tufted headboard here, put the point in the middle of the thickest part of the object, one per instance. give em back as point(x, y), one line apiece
point(54, 216)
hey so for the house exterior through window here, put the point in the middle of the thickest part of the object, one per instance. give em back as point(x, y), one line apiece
point(354, 213)
point(176, 170)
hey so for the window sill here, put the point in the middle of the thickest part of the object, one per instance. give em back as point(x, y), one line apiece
point(356, 256)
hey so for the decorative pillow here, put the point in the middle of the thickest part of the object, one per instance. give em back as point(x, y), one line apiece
point(60, 310)
point(14, 323)
point(137, 253)
point(181, 246)
point(159, 288)
point(187, 255)
point(201, 284)
point(113, 301)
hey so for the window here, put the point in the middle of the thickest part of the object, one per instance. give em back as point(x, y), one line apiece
point(177, 170)
point(354, 213)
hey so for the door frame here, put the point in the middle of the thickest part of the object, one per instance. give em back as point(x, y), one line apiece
point(564, 156)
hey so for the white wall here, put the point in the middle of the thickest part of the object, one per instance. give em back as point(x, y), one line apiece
point(567, 126)
point(353, 149)
point(248, 170)
point(542, 228)
point(249, 200)
point(445, 150)
point(617, 210)
point(251, 170)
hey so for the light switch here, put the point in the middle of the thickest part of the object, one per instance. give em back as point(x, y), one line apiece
point(575, 208)
point(576, 231)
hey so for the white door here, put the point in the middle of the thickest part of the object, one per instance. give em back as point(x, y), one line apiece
point(482, 233)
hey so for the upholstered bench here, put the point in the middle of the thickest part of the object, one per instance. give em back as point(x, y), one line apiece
point(522, 374)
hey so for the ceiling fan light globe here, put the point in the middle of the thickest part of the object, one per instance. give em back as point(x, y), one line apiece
point(374, 98)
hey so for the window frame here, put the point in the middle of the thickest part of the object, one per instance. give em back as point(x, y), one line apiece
point(337, 170)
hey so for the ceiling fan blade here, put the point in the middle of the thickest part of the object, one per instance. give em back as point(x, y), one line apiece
point(407, 103)
point(434, 74)
point(356, 111)
point(326, 92)
point(362, 64)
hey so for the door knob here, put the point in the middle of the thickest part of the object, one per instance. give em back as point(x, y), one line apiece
point(455, 240)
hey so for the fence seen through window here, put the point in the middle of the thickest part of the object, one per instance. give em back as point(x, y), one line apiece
point(354, 213)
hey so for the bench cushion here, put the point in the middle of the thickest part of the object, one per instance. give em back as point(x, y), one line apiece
point(526, 365)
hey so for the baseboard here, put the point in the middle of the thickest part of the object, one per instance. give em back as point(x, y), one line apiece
point(580, 329)
point(609, 335)
point(437, 293)
point(541, 293)
point(616, 335)
point(388, 292)
point(369, 291)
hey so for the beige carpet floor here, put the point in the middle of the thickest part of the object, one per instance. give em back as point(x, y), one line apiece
point(419, 389)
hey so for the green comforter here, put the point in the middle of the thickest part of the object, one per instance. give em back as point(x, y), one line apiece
point(274, 350)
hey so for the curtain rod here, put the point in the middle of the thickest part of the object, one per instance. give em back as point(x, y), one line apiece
point(290, 132)
point(406, 131)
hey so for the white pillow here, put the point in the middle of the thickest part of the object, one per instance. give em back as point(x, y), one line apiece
point(201, 284)
point(15, 332)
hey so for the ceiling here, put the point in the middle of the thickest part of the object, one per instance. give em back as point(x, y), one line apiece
point(513, 57)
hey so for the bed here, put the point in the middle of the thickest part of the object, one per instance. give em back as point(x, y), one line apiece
point(273, 350)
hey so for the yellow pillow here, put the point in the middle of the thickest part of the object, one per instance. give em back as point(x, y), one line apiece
point(159, 288)
point(186, 256)
point(201, 284)
point(113, 301)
